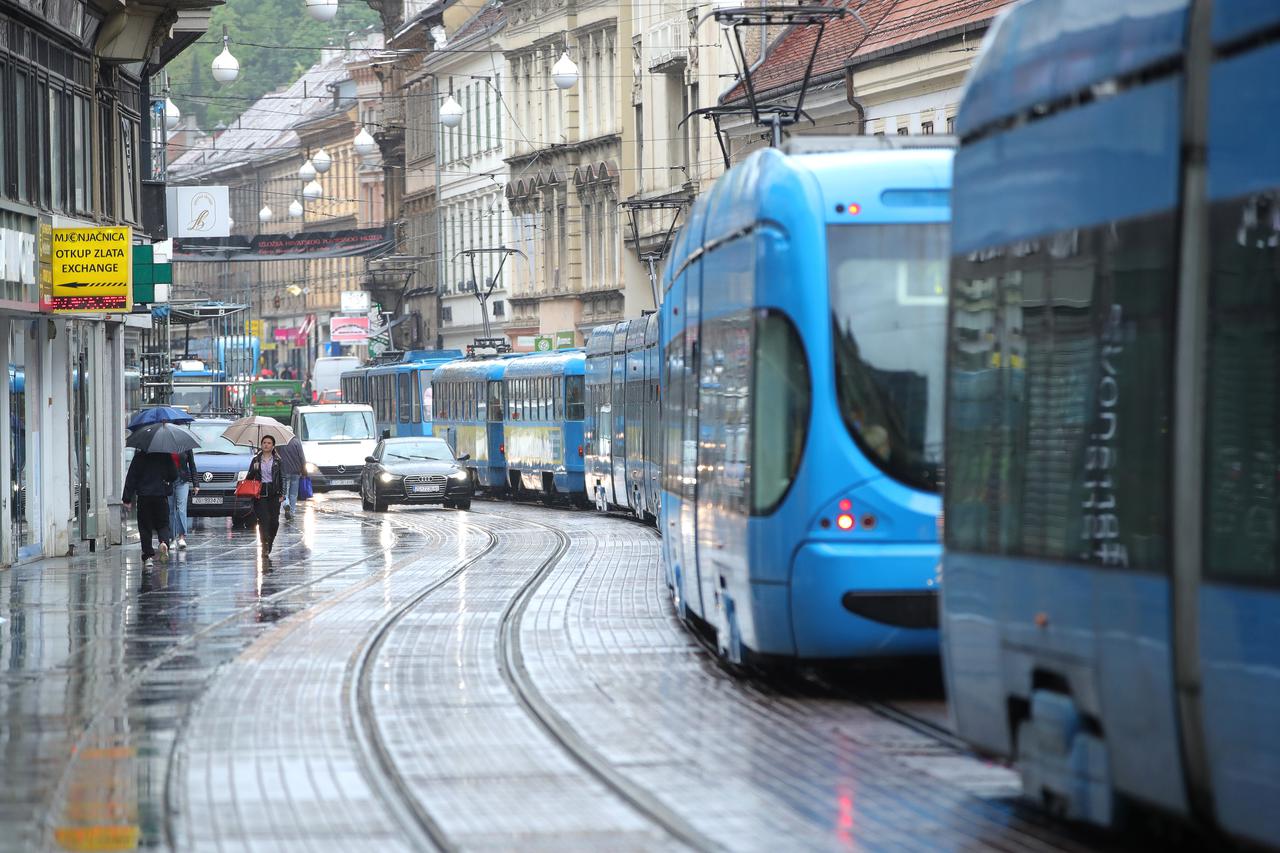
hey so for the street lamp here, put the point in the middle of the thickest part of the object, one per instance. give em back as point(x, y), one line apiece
point(295, 209)
point(450, 112)
point(307, 173)
point(265, 214)
point(226, 68)
point(364, 143)
point(321, 161)
point(172, 115)
point(322, 10)
point(312, 190)
point(565, 72)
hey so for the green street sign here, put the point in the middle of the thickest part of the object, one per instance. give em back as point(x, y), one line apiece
point(543, 343)
point(566, 340)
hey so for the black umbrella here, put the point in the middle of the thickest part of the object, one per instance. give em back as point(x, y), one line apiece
point(163, 438)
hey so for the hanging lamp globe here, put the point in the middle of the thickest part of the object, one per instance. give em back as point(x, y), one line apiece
point(312, 190)
point(321, 161)
point(364, 143)
point(565, 72)
point(322, 10)
point(450, 112)
point(307, 173)
point(172, 115)
point(295, 209)
point(265, 214)
point(226, 68)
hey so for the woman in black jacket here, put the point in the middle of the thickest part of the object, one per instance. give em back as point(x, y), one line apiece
point(266, 469)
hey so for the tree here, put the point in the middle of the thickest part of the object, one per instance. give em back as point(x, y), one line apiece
point(275, 42)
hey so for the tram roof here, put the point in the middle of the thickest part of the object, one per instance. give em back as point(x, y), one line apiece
point(568, 362)
point(477, 368)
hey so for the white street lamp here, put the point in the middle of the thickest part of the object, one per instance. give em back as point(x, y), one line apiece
point(321, 161)
point(439, 37)
point(295, 209)
point(450, 112)
point(226, 68)
point(565, 72)
point(265, 214)
point(231, 223)
point(322, 10)
point(365, 144)
point(172, 115)
point(312, 190)
point(307, 173)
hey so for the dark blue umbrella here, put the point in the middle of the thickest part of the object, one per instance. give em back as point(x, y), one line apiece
point(159, 415)
point(163, 438)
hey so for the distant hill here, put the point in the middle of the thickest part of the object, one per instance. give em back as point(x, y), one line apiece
point(291, 43)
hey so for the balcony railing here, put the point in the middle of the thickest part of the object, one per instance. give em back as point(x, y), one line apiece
point(667, 43)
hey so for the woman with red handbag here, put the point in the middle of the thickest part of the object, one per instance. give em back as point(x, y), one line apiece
point(266, 471)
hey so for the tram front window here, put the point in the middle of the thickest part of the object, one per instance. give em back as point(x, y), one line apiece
point(888, 288)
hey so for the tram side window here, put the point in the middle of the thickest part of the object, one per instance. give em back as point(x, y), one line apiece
point(673, 413)
point(1061, 397)
point(495, 401)
point(1242, 450)
point(405, 382)
point(781, 402)
point(574, 391)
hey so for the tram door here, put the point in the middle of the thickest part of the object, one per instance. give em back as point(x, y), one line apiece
point(689, 447)
point(618, 491)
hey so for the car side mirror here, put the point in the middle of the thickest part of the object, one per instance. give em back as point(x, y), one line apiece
point(372, 460)
point(386, 433)
point(464, 457)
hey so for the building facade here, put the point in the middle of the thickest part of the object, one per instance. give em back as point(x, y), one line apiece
point(258, 158)
point(75, 152)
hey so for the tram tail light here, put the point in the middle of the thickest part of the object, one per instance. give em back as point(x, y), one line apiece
point(502, 450)
point(580, 451)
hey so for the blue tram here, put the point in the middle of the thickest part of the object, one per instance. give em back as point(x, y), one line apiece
point(802, 337)
point(468, 402)
point(399, 391)
point(1112, 592)
point(542, 431)
point(621, 429)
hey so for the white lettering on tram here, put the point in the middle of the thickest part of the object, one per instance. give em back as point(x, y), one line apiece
point(1101, 523)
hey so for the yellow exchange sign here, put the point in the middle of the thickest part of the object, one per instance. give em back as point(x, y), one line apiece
point(92, 270)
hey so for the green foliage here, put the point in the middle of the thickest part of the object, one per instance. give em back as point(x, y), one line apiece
point(262, 69)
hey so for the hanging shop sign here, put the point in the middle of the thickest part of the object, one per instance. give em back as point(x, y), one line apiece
point(198, 211)
point(566, 340)
point(284, 247)
point(349, 330)
point(91, 271)
point(288, 334)
point(355, 301)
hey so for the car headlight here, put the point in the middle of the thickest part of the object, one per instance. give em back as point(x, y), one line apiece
point(387, 477)
point(461, 475)
point(312, 468)
point(241, 475)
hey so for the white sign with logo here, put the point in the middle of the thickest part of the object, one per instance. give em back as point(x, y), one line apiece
point(355, 302)
point(349, 330)
point(198, 211)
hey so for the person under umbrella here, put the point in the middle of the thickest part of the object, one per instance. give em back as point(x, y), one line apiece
point(150, 481)
point(250, 431)
point(294, 462)
point(159, 415)
point(267, 469)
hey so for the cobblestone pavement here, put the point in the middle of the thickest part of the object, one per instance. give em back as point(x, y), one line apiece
point(506, 677)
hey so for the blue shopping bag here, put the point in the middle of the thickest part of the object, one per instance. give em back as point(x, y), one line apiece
point(304, 489)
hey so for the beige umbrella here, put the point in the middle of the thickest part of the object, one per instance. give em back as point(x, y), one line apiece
point(250, 431)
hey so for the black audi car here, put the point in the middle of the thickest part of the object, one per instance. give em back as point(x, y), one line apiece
point(414, 470)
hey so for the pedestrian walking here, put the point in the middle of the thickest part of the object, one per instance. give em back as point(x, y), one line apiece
point(150, 483)
point(293, 460)
point(267, 469)
point(179, 522)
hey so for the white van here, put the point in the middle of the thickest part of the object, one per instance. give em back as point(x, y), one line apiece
point(326, 373)
point(336, 439)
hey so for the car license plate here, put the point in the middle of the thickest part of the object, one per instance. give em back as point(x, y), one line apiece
point(342, 482)
point(427, 490)
point(199, 500)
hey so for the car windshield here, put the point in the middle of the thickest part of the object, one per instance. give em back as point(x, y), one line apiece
point(889, 311)
point(286, 392)
point(211, 440)
point(336, 426)
point(417, 451)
